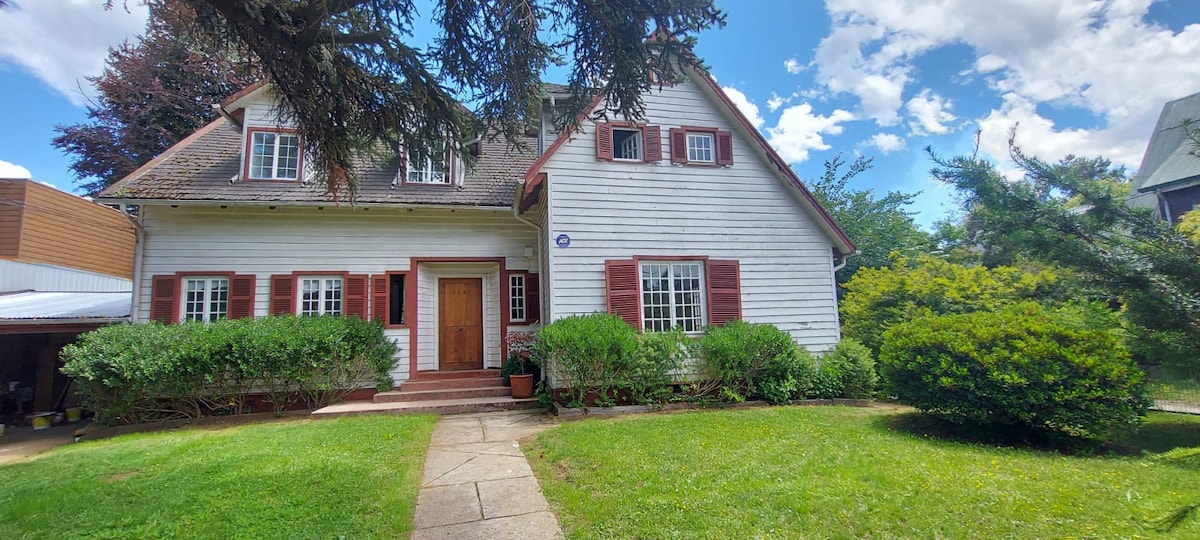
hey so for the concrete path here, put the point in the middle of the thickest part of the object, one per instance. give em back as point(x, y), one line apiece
point(477, 483)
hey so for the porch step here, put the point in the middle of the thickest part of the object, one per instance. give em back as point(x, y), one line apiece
point(446, 384)
point(442, 394)
point(444, 406)
point(466, 374)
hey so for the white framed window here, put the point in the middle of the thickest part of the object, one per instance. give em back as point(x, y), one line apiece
point(672, 295)
point(320, 295)
point(205, 299)
point(700, 147)
point(434, 169)
point(627, 144)
point(274, 156)
point(516, 298)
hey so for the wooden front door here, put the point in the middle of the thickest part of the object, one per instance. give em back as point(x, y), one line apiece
point(460, 323)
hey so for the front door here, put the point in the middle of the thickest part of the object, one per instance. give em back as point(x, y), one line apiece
point(460, 323)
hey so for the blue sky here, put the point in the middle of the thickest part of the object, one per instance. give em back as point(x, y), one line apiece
point(881, 79)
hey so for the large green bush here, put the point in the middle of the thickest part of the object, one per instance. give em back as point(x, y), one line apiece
point(588, 352)
point(878, 298)
point(757, 361)
point(1023, 366)
point(847, 371)
point(142, 372)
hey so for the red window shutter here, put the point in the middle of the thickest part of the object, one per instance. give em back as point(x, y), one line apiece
point(604, 141)
point(724, 148)
point(283, 294)
point(652, 136)
point(164, 299)
point(356, 296)
point(678, 145)
point(241, 296)
point(379, 297)
point(724, 292)
point(621, 281)
point(533, 299)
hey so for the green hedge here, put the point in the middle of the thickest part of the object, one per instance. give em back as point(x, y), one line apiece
point(143, 372)
point(757, 361)
point(1023, 366)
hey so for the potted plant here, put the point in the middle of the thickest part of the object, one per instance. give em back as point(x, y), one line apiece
point(519, 370)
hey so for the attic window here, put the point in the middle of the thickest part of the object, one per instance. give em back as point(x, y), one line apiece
point(627, 144)
point(619, 141)
point(433, 169)
point(273, 155)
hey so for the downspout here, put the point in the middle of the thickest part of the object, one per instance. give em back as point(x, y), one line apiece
point(840, 265)
point(139, 233)
point(537, 253)
point(1166, 206)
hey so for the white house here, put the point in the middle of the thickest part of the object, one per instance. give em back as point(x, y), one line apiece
point(687, 220)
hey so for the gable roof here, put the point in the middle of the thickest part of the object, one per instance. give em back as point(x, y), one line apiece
point(843, 245)
point(202, 168)
point(1168, 162)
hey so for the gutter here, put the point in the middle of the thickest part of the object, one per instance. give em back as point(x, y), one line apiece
point(296, 204)
point(138, 248)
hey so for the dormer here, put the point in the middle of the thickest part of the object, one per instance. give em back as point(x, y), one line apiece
point(272, 149)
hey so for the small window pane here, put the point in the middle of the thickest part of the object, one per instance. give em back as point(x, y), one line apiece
point(205, 299)
point(700, 147)
point(431, 170)
point(262, 155)
point(516, 297)
point(320, 296)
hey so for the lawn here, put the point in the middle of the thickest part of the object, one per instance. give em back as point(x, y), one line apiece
point(833, 472)
point(349, 477)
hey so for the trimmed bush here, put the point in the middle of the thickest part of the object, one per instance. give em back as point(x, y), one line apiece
point(1021, 367)
point(143, 372)
point(588, 352)
point(847, 371)
point(757, 361)
point(660, 355)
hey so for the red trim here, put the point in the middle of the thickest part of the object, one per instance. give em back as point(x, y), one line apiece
point(683, 160)
point(411, 286)
point(779, 163)
point(177, 303)
point(250, 131)
point(507, 284)
point(531, 197)
point(243, 93)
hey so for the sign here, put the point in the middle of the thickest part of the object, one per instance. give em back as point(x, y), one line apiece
point(563, 241)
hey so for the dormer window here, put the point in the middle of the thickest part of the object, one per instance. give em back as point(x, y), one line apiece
point(273, 155)
point(433, 169)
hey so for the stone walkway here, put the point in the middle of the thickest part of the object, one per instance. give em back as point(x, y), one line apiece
point(477, 483)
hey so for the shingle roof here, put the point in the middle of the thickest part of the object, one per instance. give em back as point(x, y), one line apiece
point(200, 168)
point(1167, 159)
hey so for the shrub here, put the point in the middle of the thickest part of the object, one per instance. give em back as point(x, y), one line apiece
point(1023, 366)
point(589, 352)
point(847, 371)
point(878, 298)
point(142, 372)
point(756, 361)
point(660, 355)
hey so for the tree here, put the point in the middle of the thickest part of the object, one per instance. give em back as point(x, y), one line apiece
point(1069, 214)
point(153, 93)
point(879, 226)
point(351, 78)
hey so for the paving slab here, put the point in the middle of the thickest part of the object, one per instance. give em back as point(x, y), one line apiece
point(478, 484)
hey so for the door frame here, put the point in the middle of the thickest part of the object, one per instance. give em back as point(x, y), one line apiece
point(472, 267)
point(437, 315)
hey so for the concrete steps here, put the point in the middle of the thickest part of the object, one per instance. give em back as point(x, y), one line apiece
point(447, 384)
point(439, 392)
point(435, 394)
point(441, 406)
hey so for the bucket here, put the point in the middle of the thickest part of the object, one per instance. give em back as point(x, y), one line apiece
point(42, 421)
point(74, 414)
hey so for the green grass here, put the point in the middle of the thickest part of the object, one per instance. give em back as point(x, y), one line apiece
point(349, 477)
point(833, 472)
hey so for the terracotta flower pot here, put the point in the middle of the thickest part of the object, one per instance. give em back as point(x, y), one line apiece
point(522, 386)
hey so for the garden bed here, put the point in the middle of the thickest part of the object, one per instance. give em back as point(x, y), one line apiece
point(577, 413)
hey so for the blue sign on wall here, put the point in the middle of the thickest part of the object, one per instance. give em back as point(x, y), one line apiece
point(563, 241)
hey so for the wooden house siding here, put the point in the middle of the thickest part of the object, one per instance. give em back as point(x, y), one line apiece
point(618, 210)
point(61, 229)
point(263, 242)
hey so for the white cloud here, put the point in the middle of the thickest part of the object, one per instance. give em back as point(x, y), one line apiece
point(793, 66)
point(776, 102)
point(1038, 135)
point(12, 170)
point(885, 142)
point(744, 104)
point(930, 113)
point(800, 130)
point(1101, 56)
point(63, 41)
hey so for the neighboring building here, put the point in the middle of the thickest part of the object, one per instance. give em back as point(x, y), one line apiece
point(686, 221)
point(1169, 178)
point(65, 268)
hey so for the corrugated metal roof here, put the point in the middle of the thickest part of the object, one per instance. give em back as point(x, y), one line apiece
point(64, 305)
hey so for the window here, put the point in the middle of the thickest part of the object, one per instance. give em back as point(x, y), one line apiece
point(320, 296)
point(700, 147)
point(434, 169)
point(672, 296)
point(205, 299)
point(516, 297)
point(627, 144)
point(274, 156)
point(396, 299)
